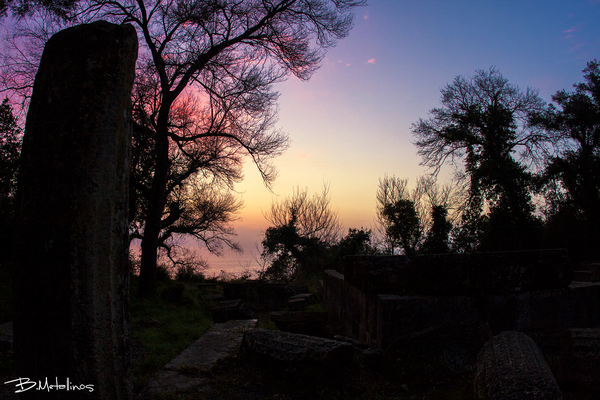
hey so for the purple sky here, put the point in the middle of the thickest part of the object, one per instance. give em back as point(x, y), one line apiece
point(350, 124)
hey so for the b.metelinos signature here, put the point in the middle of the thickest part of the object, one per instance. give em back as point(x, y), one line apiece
point(25, 384)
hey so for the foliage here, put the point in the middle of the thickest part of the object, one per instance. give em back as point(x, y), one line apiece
point(571, 180)
point(404, 226)
point(484, 124)
point(304, 229)
point(408, 219)
point(21, 8)
point(437, 238)
point(10, 150)
point(357, 242)
point(203, 96)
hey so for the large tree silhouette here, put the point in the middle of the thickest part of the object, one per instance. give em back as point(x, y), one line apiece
point(482, 128)
point(209, 67)
point(572, 179)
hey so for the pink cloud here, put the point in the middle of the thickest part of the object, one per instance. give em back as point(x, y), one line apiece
point(570, 30)
point(371, 61)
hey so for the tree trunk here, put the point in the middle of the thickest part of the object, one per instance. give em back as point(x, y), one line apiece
point(156, 205)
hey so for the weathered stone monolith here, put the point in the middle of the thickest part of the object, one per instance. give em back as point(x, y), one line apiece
point(71, 281)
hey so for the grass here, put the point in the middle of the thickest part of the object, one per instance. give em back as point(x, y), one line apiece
point(161, 329)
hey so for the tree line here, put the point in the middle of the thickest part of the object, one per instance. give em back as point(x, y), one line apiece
point(527, 176)
point(203, 102)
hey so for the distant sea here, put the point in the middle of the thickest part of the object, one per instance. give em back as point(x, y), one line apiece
point(231, 265)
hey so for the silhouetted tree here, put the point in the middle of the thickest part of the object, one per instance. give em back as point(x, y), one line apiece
point(393, 199)
point(483, 127)
point(356, 242)
point(10, 150)
point(437, 239)
point(571, 180)
point(404, 226)
point(21, 8)
point(304, 229)
point(218, 59)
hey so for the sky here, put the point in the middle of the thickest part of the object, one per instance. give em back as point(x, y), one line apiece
point(350, 124)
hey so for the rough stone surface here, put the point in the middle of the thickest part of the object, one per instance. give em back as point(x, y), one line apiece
point(184, 372)
point(451, 348)
point(460, 274)
point(490, 273)
point(378, 320)
point(219, 342)
point(377, 274)
point(511, 367)
point(595, 272)
point(304, 322)
point(291, 348)
point(580, 359)
point(71, 281)
point(228, 310)
point(275, 296)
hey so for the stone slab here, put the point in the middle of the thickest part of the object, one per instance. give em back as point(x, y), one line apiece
point(184, 372)
point(219, 342)
point(292, 348)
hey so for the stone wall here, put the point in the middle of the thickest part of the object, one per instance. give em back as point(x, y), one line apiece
point(380, 319)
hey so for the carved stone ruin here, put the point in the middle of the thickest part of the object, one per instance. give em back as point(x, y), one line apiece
point(580, 359)
point(511, 367)
point(71, 281)
point(291, 348)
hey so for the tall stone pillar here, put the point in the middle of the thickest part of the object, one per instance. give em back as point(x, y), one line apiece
point(71, 283)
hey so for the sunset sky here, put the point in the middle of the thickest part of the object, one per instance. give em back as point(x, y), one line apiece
point(350, 124)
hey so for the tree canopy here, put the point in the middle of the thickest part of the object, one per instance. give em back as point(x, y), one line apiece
point(483, 128)
point(204, 98)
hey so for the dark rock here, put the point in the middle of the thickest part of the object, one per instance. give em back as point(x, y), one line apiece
point(307, 323)
point(229, 310)
point(451, 348)
point(275, 296)
point(460, 274)
point(300, 301)
point(595, 272)
point(290, 348)
point(71, 281)
point(580, 359)
point(247, 290)
point(490, 273)
point(376, 274)
point(511, 367)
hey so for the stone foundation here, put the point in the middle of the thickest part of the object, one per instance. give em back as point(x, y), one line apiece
point(380, 319)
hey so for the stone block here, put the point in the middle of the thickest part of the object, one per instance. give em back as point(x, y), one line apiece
point(231, 310)
point(294, 349)
point(450, 348)
point(595, 272)
point(510, 366)
point(377, 274)
point(275, 296)
point(307, 323)
point(580, 359)
point(490, 273)
point(300, 301)
point(396, 316)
